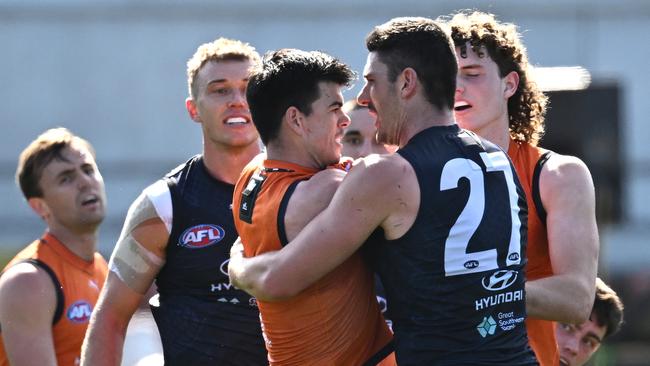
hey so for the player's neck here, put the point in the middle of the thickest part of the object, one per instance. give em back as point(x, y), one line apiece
point(82, 242)
point(226, 163)
point(292, 151)
point(497, 132)
point(424, 117)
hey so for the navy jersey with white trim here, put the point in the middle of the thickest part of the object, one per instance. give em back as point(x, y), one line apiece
point(203, 319)
point(455, 280)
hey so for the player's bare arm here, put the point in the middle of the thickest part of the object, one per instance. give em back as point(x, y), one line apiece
point(136, 260)
point(27, 305)
point(335, 234)
point(567, 193)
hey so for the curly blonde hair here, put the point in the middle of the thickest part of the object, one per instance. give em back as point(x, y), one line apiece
point(527, 107)
point(221, 49)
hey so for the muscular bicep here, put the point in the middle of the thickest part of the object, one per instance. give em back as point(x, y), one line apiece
point(568, 196)
point(140, 251)
point(27, 305)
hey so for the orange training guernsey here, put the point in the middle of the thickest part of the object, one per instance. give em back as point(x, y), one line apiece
point(80, 283)
point(335, 321)
point(541, 333)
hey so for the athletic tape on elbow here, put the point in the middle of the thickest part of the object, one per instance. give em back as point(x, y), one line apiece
point(134, 264)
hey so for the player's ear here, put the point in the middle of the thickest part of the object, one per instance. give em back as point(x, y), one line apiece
point(408, 81)
point(511, 83)
point(294, 120)
point(39, 206)
point(190, 105)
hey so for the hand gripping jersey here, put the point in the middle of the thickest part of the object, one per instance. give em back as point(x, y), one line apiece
point(202, 319)
point(455, 279)
point(336, 321)
point(77, 284)
point(528, 161)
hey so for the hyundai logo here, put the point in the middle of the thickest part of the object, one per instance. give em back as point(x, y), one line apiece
point(499, 280)
point(224, 267)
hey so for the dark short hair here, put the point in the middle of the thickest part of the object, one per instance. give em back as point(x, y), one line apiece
point(502, 41)
point(289, 77)
point(608, 308)
point(39, 153)
point(421, 44)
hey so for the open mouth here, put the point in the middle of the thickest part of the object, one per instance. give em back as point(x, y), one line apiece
point(90, 200)
point(461, 106)
point(233, 121)
point(563, 362)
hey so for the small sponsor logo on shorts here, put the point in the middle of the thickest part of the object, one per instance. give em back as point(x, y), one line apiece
point(201, 236)
point(79, 312)
point(471, 264)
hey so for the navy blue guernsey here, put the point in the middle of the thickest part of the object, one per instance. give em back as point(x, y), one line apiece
point(455, 280)
point(202, 319)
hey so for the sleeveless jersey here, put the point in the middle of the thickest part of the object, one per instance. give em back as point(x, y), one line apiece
point(541, 333)
point(202, 319)
point(77, 283)
point(335, 321)
point(455, 279)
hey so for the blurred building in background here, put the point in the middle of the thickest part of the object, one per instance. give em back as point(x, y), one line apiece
point(114, 73)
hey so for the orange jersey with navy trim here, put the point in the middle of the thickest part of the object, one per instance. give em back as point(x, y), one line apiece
point(80, 281)
point(335, 321)
point(541, 333)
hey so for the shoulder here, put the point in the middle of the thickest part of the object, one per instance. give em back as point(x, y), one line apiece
point(382, 168)
point(380, 175)
point(565, 169)
point(321, 185)
point(326, 178)
point(155, 201)
point(564, 175)
point(26, 286)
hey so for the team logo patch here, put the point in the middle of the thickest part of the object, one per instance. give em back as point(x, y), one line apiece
point(499, 280)
point(79, 312)
point(201, 236)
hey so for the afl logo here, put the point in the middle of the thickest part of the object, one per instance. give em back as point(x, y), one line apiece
point(79, 312)
point(514, 257)
point(499, 280)
point(201, 236)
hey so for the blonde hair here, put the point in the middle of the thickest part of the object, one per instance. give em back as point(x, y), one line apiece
point(221, 49)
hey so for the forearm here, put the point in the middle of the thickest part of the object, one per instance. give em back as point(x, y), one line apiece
point(104, 341)
point(564, 298)
point(29, 349)
point(105, 336)
point(251, 274)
